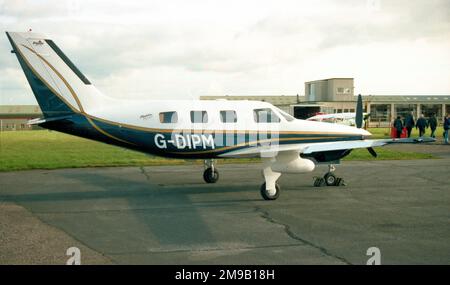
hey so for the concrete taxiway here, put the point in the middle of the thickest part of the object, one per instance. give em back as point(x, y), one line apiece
point(168, 215)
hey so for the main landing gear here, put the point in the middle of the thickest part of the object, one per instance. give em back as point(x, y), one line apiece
point(329, 179)
point(210, 175)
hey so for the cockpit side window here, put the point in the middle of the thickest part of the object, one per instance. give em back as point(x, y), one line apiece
point(168, 117)
point(265, 115)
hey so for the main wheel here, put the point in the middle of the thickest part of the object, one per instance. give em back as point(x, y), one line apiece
point(210, 176)
point(330, 179)
point(267, 196)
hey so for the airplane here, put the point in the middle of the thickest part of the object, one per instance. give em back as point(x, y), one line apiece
point(187, 129)
point(338, 118)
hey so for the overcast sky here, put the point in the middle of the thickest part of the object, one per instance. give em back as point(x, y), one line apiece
point(184, 49)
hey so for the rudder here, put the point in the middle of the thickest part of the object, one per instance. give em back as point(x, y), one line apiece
point(58, 85)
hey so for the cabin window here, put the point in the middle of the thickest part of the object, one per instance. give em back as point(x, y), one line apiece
point(228, 116)
point(199, 117)
point(265, 115)
point(168, 117)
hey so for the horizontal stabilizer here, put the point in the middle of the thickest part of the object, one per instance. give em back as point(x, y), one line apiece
point(39, 121)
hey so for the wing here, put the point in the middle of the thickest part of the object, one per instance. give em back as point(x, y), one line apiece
point(308, 148)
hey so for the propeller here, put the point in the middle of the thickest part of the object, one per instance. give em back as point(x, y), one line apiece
point(359, 113)
point(359, 121)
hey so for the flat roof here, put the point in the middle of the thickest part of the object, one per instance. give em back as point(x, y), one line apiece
point(406, 98)
point(292, 99)
point(10, 110)
point(273, 99)
point(334, 78)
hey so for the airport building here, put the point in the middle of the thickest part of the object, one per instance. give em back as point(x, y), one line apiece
point(15, 117)
point(336, 95)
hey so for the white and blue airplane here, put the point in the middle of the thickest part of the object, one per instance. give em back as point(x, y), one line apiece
point(186, 129)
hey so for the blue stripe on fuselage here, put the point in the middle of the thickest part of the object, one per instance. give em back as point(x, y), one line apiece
point(179, 144)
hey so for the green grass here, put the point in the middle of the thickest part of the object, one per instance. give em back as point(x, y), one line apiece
point(386, 154)
point(44, 149)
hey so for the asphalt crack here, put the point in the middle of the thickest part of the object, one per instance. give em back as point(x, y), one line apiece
point(265, 215)
point(147, 176)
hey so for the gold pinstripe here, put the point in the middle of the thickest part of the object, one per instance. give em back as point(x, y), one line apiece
point(252, 143)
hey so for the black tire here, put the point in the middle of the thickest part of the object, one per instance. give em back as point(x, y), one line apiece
point(266, 195)
point(330, 179)
point(209, 176)
point(319, 182)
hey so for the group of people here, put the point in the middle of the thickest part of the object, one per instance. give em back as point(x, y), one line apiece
point(422, 124)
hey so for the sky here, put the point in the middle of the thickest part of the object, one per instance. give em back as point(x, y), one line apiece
point(184, 49)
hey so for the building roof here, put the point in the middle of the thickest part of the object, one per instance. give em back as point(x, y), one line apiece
point(407, 98)
point(334, 78)
point(292, 99)
point(20, 110)
point(274, 100)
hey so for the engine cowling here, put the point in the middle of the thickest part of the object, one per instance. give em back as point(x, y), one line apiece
point(291, 162)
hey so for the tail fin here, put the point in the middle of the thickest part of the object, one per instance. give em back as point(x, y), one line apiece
point(59, 87)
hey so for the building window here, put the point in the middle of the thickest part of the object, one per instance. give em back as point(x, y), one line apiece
point(265, 115)
point(312, 92)
point(199, 117)
point(431, 109)
point(380, 112)
point(168, 117)
point(403, 110)
point(340, 90)
point(347, 90)
point(228, 116)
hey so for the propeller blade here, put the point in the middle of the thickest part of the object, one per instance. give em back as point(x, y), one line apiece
point(372, 152)
point(359, 113)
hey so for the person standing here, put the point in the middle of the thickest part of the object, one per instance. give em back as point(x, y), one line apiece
point(409, 123)
point(446, 128)
point(421, 124)
point(398, 125)
point(432, 123)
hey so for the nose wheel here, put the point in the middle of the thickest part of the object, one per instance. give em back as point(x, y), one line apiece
point(210, 175)
point(270, 194)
